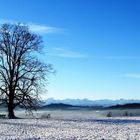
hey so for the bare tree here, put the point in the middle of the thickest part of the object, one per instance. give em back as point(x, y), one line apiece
point(21, 73)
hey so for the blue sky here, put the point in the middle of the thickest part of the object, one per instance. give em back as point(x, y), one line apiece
point(93, 44)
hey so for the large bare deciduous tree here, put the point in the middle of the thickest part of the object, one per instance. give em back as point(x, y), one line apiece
point(22, 74)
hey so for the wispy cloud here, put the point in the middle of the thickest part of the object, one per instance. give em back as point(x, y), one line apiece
point(132, 75)
point(38, 28)
point(65, 52)
point(115, 57)
point(44, 29)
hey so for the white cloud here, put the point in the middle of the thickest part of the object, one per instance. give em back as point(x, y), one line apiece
point(43, 29)
point(116, 57)
point(65, 52)
point(132, 75)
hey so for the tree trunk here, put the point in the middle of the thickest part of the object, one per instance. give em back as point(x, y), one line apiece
point(11, 114)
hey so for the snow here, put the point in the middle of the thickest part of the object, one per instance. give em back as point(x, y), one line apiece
point(117, 128)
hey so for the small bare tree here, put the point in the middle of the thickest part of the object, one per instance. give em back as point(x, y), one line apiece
point(21, 73)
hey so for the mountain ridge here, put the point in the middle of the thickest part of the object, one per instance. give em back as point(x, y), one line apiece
point(88, 102)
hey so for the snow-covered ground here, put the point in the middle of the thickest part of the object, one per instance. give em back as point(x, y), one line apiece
point(124, 128)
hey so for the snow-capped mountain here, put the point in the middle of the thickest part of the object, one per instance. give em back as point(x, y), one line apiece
point(87, 102)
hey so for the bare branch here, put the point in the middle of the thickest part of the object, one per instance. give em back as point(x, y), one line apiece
point(21, 73)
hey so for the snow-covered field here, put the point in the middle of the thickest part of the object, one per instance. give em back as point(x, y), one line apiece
point(124, 128)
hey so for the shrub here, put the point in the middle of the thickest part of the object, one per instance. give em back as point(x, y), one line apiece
point(109, 114)
point(45, 116)
point(125, 113)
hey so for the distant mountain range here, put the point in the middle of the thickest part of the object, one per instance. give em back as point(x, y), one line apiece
point(75, 107)
point(87, 102)
point(68, 107)
point(126, 106)
point(76, 104)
